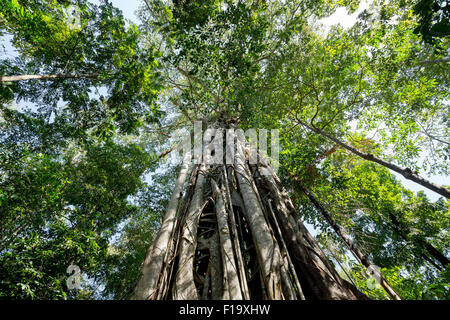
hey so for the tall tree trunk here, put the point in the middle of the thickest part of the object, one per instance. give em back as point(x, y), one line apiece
point(47, 77)
point(405, 172)
point(362, 258)
point(404, 232)
point(237, 235)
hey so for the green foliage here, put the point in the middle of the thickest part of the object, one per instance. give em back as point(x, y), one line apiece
point(75, 159)
point(61, 208)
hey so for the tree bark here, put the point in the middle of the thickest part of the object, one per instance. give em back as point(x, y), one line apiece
point(184, 288)
point(232, 288)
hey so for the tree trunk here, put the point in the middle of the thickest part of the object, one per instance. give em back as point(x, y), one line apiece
point(237, 235)
point(443, 60)
point(363, 259)
point(405, 172)
point(47, 77)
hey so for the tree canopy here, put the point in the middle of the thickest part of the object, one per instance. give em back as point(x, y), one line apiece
point(92, 106)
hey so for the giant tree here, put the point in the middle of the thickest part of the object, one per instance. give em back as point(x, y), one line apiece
point(232, 232)
point(232, 227)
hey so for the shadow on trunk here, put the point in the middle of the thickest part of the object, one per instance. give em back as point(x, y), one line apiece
point(235, 234)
